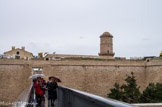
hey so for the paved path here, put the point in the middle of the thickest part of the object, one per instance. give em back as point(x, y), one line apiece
point(46, 101)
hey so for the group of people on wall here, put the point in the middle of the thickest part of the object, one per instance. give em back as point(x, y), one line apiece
point(45, 89)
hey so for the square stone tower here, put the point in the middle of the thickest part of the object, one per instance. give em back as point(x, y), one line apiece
point(106, 46)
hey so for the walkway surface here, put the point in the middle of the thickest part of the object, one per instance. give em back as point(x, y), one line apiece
point(45, 102)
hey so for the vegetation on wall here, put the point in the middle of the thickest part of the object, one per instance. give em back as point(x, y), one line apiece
point(130, 93)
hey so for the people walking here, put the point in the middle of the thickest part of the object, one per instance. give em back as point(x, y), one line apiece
point(38, 91)
point(52, 91)
point(43, 83)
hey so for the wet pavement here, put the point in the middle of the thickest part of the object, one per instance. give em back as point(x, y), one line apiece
point(45, 102)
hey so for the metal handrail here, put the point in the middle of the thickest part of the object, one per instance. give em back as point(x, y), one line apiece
point(68, 97)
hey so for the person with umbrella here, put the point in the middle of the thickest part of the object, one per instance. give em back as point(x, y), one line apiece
point(38, 85)
point(38, 90)
point(52, 92)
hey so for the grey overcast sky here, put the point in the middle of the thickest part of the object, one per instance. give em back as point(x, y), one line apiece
point(74, 26)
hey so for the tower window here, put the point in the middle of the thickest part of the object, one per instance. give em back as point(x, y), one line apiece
point(108, 51)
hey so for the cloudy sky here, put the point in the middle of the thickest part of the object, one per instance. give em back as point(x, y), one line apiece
point(74, 26)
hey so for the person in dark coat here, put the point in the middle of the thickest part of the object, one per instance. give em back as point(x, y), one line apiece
point(52, 92)
point(48, 82)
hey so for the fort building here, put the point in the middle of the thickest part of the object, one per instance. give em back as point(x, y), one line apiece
point(18, 53)
point(106, 46)
point(106, 50)
point(55, 56)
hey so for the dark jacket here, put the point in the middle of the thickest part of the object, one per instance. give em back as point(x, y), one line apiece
point(47, 84)
point(52, 92)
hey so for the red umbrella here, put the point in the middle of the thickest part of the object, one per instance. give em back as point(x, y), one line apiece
point(56, 78)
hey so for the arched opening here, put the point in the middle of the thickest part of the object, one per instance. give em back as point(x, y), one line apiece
point(17, 55)
point(17, 52)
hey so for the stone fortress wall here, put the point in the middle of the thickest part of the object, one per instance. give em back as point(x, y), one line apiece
point(93, 76)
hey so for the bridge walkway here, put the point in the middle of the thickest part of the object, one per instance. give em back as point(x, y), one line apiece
point(68, 97)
